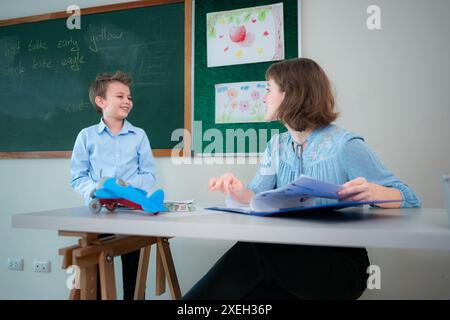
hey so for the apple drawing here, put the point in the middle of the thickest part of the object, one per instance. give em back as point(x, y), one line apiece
point(237, 34)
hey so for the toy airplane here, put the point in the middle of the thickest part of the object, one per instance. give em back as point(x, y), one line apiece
point(112, 193)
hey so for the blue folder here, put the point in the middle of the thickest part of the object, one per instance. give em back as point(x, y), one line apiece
point(321, 207)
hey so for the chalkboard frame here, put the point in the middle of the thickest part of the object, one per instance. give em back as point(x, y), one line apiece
point(185, 151)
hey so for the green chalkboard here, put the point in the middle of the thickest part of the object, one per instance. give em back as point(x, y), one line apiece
point(46, 69)
point(207, 77)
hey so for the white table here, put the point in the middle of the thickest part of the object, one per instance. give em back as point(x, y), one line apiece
point(426, 229)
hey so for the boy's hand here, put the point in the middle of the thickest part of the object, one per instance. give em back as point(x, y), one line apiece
point(122, 183)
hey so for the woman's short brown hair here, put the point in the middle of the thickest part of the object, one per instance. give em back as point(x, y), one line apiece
point(100, 85)
point(308, 102)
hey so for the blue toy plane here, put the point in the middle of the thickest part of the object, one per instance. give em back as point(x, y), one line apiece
point(112, 192)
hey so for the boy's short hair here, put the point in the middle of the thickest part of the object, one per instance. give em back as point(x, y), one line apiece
point(308, 102)
point(100, 85)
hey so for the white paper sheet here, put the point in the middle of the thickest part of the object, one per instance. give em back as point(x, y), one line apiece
point(247, 35)
point(240, 102)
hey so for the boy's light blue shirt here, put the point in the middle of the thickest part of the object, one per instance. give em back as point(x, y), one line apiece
point(331, 154)
point(98, 153)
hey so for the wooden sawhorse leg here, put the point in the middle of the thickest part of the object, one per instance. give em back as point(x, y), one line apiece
point(107, 275)
point(164, 268)
point(144, 257)
point(91, 252)
point(169, 268)
point(88, 273)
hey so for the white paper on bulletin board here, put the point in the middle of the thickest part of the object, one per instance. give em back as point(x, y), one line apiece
point(240, 102)
point(248, 35)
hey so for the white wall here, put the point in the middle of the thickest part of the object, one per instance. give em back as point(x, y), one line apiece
point(391, 87)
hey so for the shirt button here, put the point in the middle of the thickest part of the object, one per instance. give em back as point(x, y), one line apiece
point(117, 155)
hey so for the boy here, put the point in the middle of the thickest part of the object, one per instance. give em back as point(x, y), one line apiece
point(113, 148)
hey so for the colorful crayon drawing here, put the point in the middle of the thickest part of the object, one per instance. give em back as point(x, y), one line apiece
point(247, 35)
point(240, 102)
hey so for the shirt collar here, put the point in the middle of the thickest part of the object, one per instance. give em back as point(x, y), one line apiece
point(127, 127)
point(311, 136)
point(101, 126)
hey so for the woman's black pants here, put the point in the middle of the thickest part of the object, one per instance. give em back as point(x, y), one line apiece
point(280, 271)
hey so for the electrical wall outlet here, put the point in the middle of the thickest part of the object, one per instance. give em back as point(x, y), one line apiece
point(15, 264)
point(41, 266)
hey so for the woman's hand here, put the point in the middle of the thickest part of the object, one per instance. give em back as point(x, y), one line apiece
point(229, 184)
point(225, 183)
point(360, 190)
point(357, 190)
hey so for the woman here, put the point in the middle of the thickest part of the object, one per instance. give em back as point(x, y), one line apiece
point(299, 95)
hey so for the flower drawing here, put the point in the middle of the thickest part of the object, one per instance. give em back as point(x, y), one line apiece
point(255, 95)
point(232, 93)
point(244, 105)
